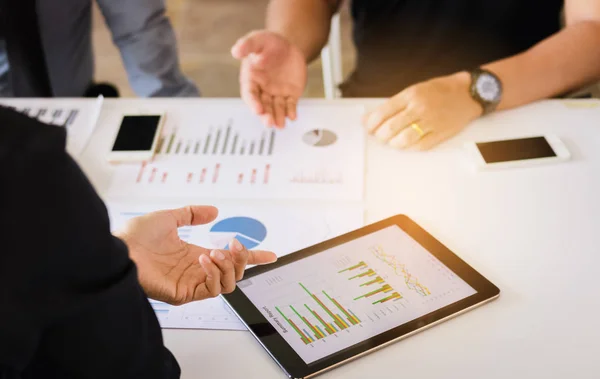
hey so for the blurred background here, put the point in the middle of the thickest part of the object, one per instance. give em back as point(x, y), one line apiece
point(206, 30)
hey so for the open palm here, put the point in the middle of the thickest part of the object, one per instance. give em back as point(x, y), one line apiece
point(175, 271)
point(272, 75)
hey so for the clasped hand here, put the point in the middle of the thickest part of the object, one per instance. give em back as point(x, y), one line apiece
point(177, 272)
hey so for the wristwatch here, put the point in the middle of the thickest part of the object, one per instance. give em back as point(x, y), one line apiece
point(486, 89)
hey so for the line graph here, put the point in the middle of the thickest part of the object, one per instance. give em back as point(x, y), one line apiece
point(412, 282)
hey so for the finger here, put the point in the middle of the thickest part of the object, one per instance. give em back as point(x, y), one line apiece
point(261, 257)
point(228, 274)
point(374, 119)
point(265, 119)
point(279, 111)
point(390, 128)
point(291, 104)
point(212, 285)
point(250, 43)
point(240, 258)
point(250, 93)
point(194, 215)
point(409, 136)
point(267, 101)
point(254, 257)
point(431, 140)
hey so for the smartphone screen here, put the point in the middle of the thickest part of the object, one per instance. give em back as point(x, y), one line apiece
point(136, 133)
point(515, 149)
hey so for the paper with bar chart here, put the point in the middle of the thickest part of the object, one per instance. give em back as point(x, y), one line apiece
point(222, 149)
point(256, 227)
point(78, 116)
point(352, 292)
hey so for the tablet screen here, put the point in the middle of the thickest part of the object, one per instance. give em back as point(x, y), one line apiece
point(330, 301)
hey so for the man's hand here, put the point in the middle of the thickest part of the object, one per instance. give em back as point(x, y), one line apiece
point(272, 76)
point(425, 114)
point(177, 272)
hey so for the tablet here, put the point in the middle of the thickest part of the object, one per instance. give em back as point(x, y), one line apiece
point(335, 301)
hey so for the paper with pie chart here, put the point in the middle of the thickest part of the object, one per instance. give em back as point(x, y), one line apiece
point(222, 149)
point(281, 229)
point(249, 231)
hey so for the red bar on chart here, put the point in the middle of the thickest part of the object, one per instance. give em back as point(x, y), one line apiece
point(141, 174)
point(153, 174)
point(164, 177)
point(240, 178)
point(189, 177)
point(202, 175)
point(267, 169)
point(216, 174)
point(253, 180)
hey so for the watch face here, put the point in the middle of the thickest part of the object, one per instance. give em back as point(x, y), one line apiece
point(488, 88)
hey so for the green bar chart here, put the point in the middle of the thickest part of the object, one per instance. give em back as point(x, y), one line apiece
point(331, 317)
point(368, 278)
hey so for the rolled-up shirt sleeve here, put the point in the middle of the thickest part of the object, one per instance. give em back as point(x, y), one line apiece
point(146, 40)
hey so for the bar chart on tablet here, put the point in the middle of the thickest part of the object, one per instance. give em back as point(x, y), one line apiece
point(351, 292)
point(329, 322)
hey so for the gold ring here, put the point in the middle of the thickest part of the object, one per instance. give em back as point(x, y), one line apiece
point(418, 129)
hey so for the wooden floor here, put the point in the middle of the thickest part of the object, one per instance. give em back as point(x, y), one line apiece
point(206, 30)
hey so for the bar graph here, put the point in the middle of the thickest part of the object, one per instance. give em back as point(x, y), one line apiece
point(363, 272)
point(222, 140)
point(156, 174)
point(304, 336)
point(194, 139)
point(369, 272)
point(253, 176)
point(393, 296)
point(385, 288)
point(356, 266)
point(374, 281)
point(333, 319)
point(344, 295)
point(56, 116)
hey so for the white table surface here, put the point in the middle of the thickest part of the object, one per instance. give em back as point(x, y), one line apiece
point(534, 232)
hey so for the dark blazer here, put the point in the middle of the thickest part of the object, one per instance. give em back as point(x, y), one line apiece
point(70, 302)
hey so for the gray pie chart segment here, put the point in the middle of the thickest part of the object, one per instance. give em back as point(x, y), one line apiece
point(319, 137)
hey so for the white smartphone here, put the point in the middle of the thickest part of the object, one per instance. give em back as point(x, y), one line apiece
point(517, 152)
point(137, 138)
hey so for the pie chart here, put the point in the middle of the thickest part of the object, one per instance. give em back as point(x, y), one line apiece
point(249, 231)
point(319, 137)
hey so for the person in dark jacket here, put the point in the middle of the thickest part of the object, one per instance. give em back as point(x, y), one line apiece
point(73, 297)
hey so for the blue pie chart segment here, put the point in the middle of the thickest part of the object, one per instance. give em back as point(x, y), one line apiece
point(249, 231)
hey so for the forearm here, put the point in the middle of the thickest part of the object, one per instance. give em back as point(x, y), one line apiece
point(563, 62)
point(305, 23)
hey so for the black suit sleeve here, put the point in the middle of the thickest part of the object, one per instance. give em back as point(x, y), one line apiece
point(75, 307)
